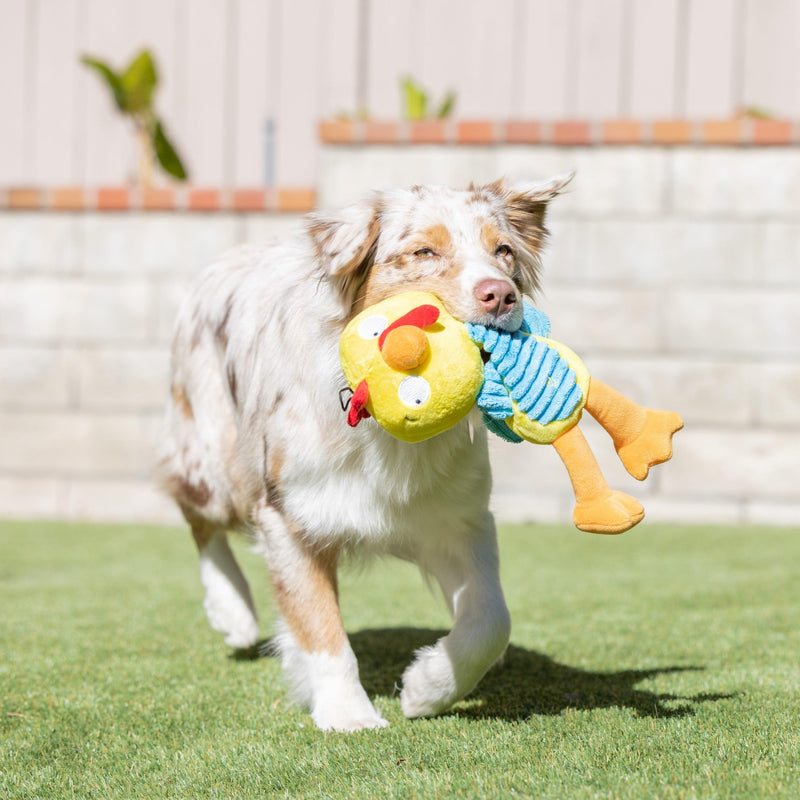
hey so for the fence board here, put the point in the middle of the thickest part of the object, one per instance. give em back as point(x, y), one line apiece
point(389, 45)
point(654, 39)
point(599, 55)
point(298, 109)
point(546, 53)
point(253, 89)
point(484, 74)
point(438, 55)
point(207, 42)
point(772, 56)
point(15, 77)
point(710, 59)
point(340, 54)
point(54, 95)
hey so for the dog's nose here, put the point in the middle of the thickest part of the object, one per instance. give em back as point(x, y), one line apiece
point(497, 297)
point(405, 347)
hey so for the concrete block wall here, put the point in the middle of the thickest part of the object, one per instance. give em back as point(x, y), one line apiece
point(675, 273)
point(87, 305)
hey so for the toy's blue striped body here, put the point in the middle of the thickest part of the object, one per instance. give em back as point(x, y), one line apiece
point(529, 379)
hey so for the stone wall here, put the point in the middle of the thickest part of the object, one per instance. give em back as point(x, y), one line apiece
point(675, 272)
point(87, 304)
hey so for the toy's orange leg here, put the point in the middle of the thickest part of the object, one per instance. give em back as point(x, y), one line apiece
point(642, 436)
point(598, 508)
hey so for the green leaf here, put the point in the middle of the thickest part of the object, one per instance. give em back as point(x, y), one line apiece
point(165, 153)
point(446, 108)
point(139, 82)
point(415, 100)
point(111, 78)
point(757, 112)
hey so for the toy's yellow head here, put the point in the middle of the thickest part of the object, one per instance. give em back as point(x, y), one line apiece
point(411, 366)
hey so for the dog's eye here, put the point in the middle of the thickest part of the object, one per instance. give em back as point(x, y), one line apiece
point(503, 250)
point(414, 391)
point(425, 252)
point(372, 327)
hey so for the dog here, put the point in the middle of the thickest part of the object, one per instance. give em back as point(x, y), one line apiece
point(255, 439)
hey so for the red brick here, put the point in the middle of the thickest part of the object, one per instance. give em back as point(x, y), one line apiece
point(572, 131)
point(204, 199)
point(25, 198)
point(722, 131)
point(672, 131)
point(296, 200)
point(249, 199)
point(475, 132)
point(336, 131)
point(519, 132)
point(68, 198)
point(428, 132)
point(158, 199)
point(621, 131)
point(113, 198)
point(381, 132)
point(270, 199)
point(772, 131)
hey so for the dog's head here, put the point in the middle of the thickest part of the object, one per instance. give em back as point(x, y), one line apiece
point(478, 250)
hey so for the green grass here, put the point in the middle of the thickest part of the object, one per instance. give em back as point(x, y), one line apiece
point(663, 663)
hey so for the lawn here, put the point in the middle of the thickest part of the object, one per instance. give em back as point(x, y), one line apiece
point(662, 663)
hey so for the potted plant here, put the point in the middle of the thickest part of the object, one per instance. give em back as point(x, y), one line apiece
point(132, 90)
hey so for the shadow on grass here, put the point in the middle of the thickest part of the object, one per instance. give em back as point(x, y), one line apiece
point(525, 684)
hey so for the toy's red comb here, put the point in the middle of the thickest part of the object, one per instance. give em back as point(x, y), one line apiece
point(419, 317)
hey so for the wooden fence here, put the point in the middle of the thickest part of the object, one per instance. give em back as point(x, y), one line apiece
point(245, 81)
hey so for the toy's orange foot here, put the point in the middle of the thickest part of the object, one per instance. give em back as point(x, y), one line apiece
point(653, 445)
point(615, 512)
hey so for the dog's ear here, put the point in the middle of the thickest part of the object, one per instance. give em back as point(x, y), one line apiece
point(346, 243)
point(525, 207)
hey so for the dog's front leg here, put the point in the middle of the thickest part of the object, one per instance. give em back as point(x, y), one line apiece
point(315, 653)
point(228, 602)
point(450, 669)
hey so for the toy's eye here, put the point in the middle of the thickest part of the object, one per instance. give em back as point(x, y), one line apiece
point(414, 391)
point(372, 327)
point(425, 252)
point(503, 250)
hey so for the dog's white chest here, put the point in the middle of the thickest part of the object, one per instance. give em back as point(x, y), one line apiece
point(383, 489)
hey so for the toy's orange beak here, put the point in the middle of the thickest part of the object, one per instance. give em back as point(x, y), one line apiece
point(404, 345)
point(405, 348)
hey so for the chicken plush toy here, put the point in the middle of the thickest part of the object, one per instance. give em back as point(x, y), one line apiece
point(419, 371)
point(411, 366)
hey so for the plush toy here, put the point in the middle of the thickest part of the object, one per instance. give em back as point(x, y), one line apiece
point(530, 388)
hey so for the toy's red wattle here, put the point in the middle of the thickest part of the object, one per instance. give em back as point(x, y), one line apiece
point(358, 403)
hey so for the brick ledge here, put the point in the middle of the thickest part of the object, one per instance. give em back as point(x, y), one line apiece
point(566, 132)
point(286, 200)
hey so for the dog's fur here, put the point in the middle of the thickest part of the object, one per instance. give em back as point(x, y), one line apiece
point(255, 438)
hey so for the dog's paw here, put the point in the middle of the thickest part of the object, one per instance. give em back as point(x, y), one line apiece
point(344, 708)
point(337, 717)
point(243, 638)
point(429, 686)
point(231, 616)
